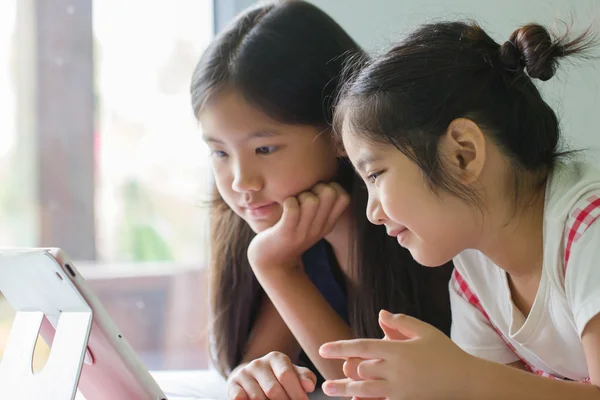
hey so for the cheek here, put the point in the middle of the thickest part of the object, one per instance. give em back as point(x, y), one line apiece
point(459, 223)
point(325, 171)
point(446, 229)
point(223, 181)
point(286, 184)
point(400, 203)
point(292, 177)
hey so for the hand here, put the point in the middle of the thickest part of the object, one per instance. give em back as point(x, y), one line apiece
point(350, 369)
point(306, 219)
point(351, 364)
point(271, 377)
point(404, 364)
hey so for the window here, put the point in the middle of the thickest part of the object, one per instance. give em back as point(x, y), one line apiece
point(101, 155)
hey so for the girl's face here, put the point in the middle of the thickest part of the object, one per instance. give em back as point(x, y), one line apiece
point(433, 227)
point(258, 163)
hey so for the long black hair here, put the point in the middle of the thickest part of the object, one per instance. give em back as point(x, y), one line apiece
point(286, 59)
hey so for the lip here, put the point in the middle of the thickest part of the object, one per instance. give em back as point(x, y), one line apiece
point(397, 231)
point(256, 206)
point(399, 234)
point(259, 210)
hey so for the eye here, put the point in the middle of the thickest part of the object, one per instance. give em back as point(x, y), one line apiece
point(373, 177)
point(218, 153)
point(264, 150)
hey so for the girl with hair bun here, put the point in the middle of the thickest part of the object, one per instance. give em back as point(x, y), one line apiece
point(462, 160)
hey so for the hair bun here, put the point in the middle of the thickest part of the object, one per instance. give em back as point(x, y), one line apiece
point(510, 57)
point(538, 51)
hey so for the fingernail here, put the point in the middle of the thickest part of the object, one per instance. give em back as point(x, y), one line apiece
point(324, 350)
point(385, 312)
point(308, 381)
point(329, 389)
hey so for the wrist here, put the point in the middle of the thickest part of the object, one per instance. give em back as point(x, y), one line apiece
point(276, 266)
point(279, 272)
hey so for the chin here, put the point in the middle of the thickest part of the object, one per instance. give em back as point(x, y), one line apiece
point(259, 226)
point(428, 258)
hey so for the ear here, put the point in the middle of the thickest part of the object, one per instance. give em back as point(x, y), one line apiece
point(463, 146)
point(338, 143)
point(341, 151)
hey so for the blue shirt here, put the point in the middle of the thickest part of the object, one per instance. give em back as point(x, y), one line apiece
point(321, 267)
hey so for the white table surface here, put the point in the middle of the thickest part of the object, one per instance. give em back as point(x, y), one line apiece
point(198, 385)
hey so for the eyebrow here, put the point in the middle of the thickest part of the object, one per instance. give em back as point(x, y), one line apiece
point(365, 159)
point(253, 135)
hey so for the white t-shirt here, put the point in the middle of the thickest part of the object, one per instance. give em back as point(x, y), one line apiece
point(487, 324)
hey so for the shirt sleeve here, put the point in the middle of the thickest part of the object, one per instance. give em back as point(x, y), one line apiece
point(471, 330)
point(582, 275)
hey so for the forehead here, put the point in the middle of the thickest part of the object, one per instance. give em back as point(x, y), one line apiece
point(356, 142)
point(229, 115)
point(229, 111)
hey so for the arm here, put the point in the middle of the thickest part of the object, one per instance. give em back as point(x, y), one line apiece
point(307, 314)
point(270, 333)
point(275, 257)
point(517, 365)
point(406, 368)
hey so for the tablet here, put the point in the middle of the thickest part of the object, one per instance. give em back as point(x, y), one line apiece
point(111, 369)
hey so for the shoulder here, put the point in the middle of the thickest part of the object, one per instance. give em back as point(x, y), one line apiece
point(571, 208)
point(570, 189)
point(582, 216)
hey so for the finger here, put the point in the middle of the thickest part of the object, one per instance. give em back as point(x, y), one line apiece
point(308, 379)
point(373, 398)
point(351, 368)
point(342, 202)
point(358, 348)
point(286, 376)
point(236, 392)
point(338, 188)
point(371, 369)
point(352, 388)
point(327, 196)
point(391, 333)
point(403, 324)
point(309, 204)
point(269, 384)
point(291, 214)
point(368, 398)
point(251, 387)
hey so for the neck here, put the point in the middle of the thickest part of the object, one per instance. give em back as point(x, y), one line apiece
point(515, 242)
point(339, 239)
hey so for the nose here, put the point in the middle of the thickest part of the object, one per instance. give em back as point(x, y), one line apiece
point(375, 212)
point(246, 178)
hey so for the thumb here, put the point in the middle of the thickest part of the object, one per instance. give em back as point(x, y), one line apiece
point(401, 326)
